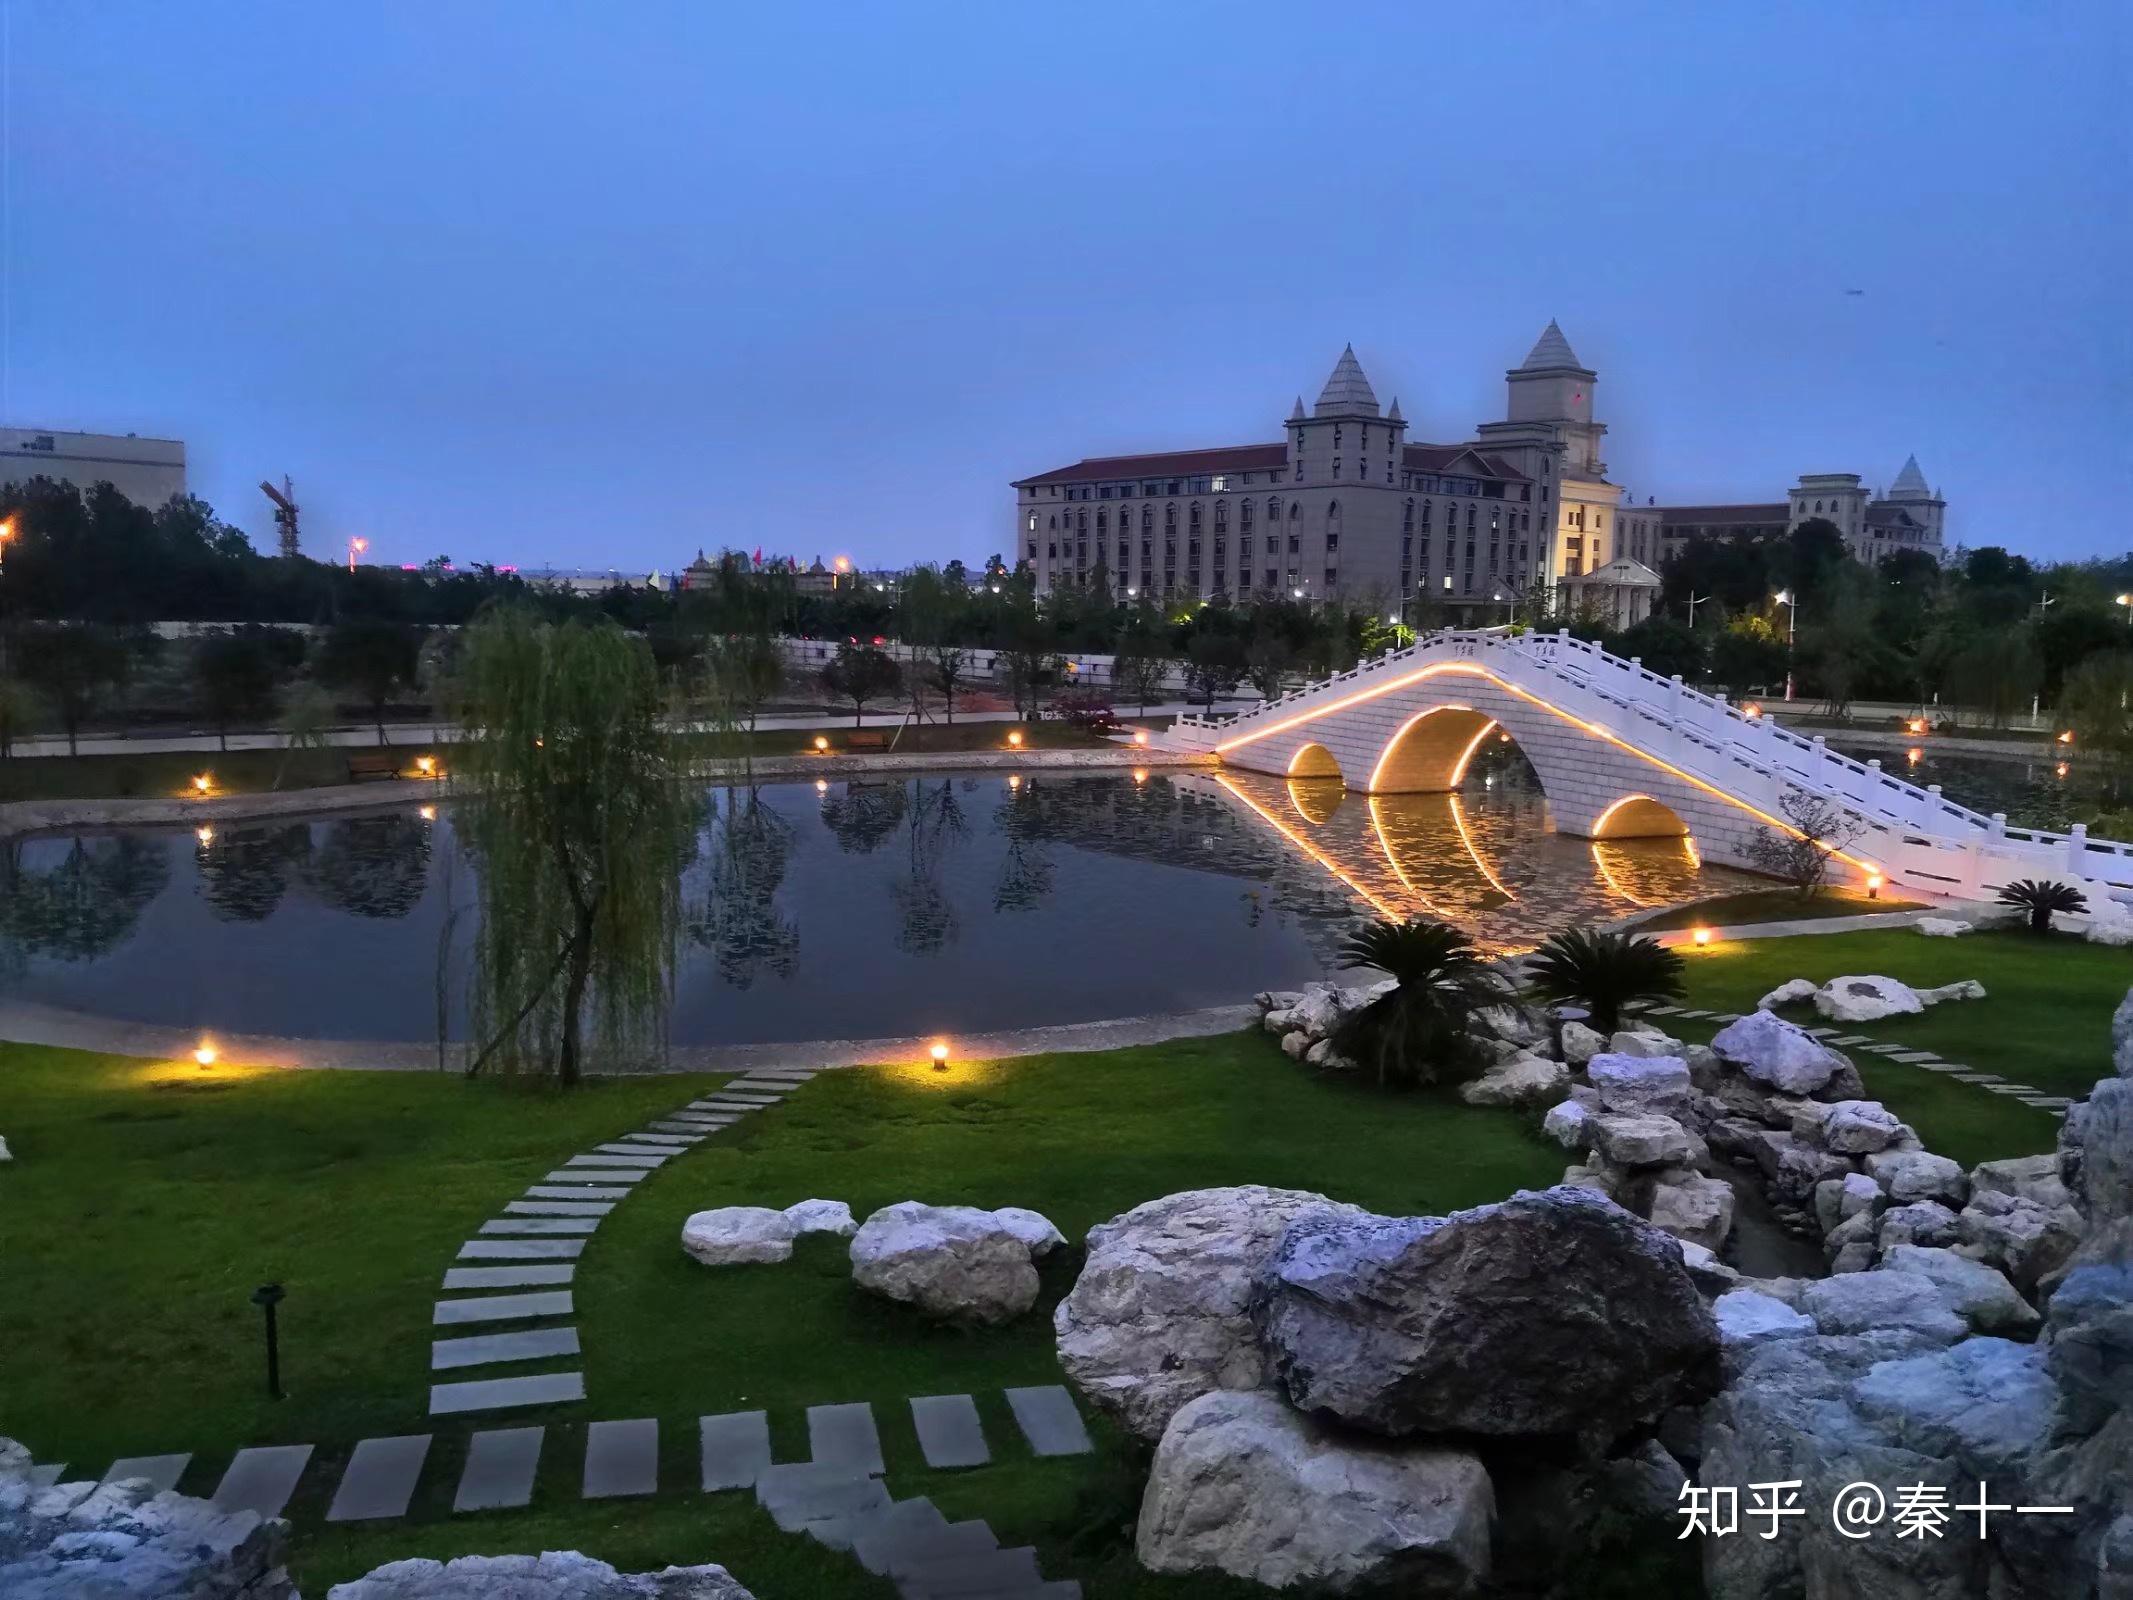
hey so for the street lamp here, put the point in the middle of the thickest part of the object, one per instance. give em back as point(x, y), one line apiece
point(2125, 600)
point(1785, 598)
point(7, 537)
point(355, 548)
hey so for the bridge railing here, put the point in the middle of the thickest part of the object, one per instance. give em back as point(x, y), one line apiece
point(1721, 743)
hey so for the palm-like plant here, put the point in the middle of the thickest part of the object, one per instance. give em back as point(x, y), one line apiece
point(1603, 972)
point(2040, 897)
point(1419, 1032)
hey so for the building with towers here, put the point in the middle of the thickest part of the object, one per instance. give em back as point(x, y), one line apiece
point(1345, 505)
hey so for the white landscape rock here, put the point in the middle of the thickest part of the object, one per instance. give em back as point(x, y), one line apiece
point(1908, 1175)
point(1961, 989)
point(1858, 1127)
point(1640, 1085)
point(954, 1263)
point(1523, 1080)
point(552, 1575)
point(1569, 1124)
point(1653, 1141)
point(5, 1153)
point(1161, 1313)
point(1747, 1316)
point(1644, 1042)
point(738, 1235)
point(1793, 991)
point(1778, 1054)
point(1695, 1209)
point(1245, 1485)
point(1943, 927)
point(822, 1216)
point(1866, 997)
point(1979, 1294)
point(1033, 1228)
point(1581, 1044)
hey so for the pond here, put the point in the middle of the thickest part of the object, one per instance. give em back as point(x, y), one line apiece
point(2039, 791)
point(833, 910)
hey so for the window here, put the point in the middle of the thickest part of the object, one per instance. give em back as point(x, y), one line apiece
point(1170, 518)
point(1407, 518)
point(1332, 578)
point(1244, 516)
point(1333, 540)
point(1102, 523)
point(1033, 549)
point(1051, 551)
point(1033, 522)
point(1336, 466)
point(1147, 520)
point(1273, 507)
point(1221, 516)
point(1336, 436)
point(1192, 516)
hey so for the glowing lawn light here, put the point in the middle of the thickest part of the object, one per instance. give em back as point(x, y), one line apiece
point(1014, 739)
point(1751, 711)
point(940, 1056)
point(1014, 780)
point(426, 765)
point(822, 745)
point(1140, 737)
point(2067, 737)
point(1873, 886)
point(1914, 755)
point(822, 786)
point(2060, 770)
point(203, 782)
point(427, 813)
point(1702, 937)
point(205, 1054)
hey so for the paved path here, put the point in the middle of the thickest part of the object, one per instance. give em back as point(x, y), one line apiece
point(1896, 1054)
point(836, 1496)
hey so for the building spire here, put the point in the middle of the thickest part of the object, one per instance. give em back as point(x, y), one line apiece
point(1347, 392)
point(1551, 350)
point(1910, 483)
point(1297, 415)
point(1393, 416)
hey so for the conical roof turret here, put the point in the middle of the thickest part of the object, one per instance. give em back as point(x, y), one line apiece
point(1347, 392)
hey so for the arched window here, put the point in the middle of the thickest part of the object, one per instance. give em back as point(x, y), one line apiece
point(1818, 508)
point(1333, 512)
point(1221, 516)
point(1273, 507)
point(1101, 521)
point(1407, 517)
point(1296, 511)
point(1244, 514)
point(1147, 519)
point(1192, 516)
point(1051, 525)
point(1170, 518)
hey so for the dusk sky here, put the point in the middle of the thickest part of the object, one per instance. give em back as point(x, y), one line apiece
point(596, 285)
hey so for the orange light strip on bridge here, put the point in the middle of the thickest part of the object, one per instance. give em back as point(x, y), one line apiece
point(1462, 669)
point(1377, 824)
point(1378, 772)
point(1467, 839)
point(1309, 849)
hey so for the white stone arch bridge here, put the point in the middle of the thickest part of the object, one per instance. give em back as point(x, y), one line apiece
point(1624, 753)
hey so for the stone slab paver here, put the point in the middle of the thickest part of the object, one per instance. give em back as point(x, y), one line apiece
point(650, 1154)
point(162, 1472)
point(714, 1113)
point(1691, 1016)
point(1913, 1057)
point(1879, 1049)
point(742, 1102)
point(609, 1160)
point(596, 1175)
point(844, 1438)
point(481, 1349)
point(735, 1448)
point(521, 1249)
point(494, 1394)
point(506, 1277)
point(1847, 1040)
point(1826, 1033)
point(380, 1479)
point(1049, 1421)
point(261, 1479)
point(559, 1208)
point(1724, 1016)
point(621, 1458)
point(703, 1131)
point(802, 1492)
point(663, 1140)
point(502, 1308)
point(1938, 1066)
point(1662, 1011)
point(499, 1470)
point(581, 1192)
point(539, 1225)
point(948, 1430)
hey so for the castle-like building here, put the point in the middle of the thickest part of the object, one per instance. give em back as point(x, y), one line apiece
point(1345, 506)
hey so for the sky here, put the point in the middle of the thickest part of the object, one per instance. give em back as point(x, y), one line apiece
point(600, 284)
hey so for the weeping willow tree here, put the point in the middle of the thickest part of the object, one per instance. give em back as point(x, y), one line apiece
point(579, 822)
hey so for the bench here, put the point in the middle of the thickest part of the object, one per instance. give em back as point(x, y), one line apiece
point(866, 739)
point(373, 764)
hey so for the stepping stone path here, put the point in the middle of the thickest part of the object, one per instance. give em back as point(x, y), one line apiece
point(261, 1480)
point(541, 1234)
point(380, 1480)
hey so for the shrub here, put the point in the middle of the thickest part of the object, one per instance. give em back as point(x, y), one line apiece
point(2040, 897)
point(1603, 972)
point(1421, 1031)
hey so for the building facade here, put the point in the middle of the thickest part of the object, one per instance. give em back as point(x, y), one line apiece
point(1910, 516)
point(146, 471)
point(1343, 506)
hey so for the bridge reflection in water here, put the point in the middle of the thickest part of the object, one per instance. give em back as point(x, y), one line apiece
point(1484, 858)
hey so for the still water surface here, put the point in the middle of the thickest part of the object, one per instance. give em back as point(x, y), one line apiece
point(861, 910)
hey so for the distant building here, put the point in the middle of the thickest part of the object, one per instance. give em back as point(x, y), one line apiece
point(1620, 594)
point(1909, 517)
point(587, 580)
point(146, 471)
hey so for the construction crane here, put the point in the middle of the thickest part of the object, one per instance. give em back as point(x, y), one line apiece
point(284, 500)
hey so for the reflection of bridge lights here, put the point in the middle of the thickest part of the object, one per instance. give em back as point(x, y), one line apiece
point(1140, 774)
point(1383, 909)
point(1467, 839)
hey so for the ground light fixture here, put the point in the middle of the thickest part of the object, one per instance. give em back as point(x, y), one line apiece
point(2067, 737)
point(939, 1052)
point(1014, 780)
point(205, 1054)
point(427, 813)
point(1140, 736)
point(426, 765)
point(1014, 739)
point(2060, 770)
point(203, 783)
point(822, 744)
point(267, 1296)
point(1914, 755)
point(1701, 937)
point(1873, 886)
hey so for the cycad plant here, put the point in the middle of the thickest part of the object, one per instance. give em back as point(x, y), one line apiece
point(2040, 897)
point(1603, 972)
point(1421, 1031)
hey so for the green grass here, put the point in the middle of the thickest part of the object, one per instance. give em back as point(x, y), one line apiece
point(147, 1200)
point(1772, 905)
point(2045, 1021)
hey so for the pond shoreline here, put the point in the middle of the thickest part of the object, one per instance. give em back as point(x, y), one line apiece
point(23, 818)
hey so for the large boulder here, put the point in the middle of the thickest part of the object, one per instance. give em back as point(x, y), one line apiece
point(1694, 1208)
point(1522, 1080)
point(954, 1263)
point(552, 1575)
point(1746, 1316)
point(1033, 1228)
point(1161, 1312)
point(1979, 1294)
point(1640, 1085)
point(1925, 1223)
point(2026, 1241)
point(1581, 1044)
point(84, 1541)
point(1866, 998)
point(822, 1216)
point(734, 1235)
point(1873, 1302)
point(1857, 1127)
point(1909, 1175)
point(1242, 1484)
point(2122, 1037)
point(1792, 992)
point(1778, 1054)
point(1632, 1142)
point(1550, 1316)
point(2030, 1177)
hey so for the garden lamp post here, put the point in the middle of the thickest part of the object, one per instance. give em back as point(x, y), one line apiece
point(1786, 599)
point(267, 1296)
point(2125, 600)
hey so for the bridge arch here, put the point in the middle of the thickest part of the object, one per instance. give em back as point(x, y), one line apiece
point(1430, 751)
point(1639, 816)
point(1313, 760)
point(1317, 800)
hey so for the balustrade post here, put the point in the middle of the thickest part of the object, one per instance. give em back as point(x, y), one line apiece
point(1999, 825)
point(2077, 849)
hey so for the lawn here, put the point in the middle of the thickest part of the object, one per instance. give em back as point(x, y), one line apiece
point(2045, 1021)
point(147, 1200)
point(1771, 905)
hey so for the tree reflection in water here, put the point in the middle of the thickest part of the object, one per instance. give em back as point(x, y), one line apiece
point(373, 866)
point(864, 815)
point(738, 919)
point(84, 905)
point(244, 872)
point(926, 919)
point(1024, 819)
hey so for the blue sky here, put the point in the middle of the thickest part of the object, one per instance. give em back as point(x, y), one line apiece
point(599, 284)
